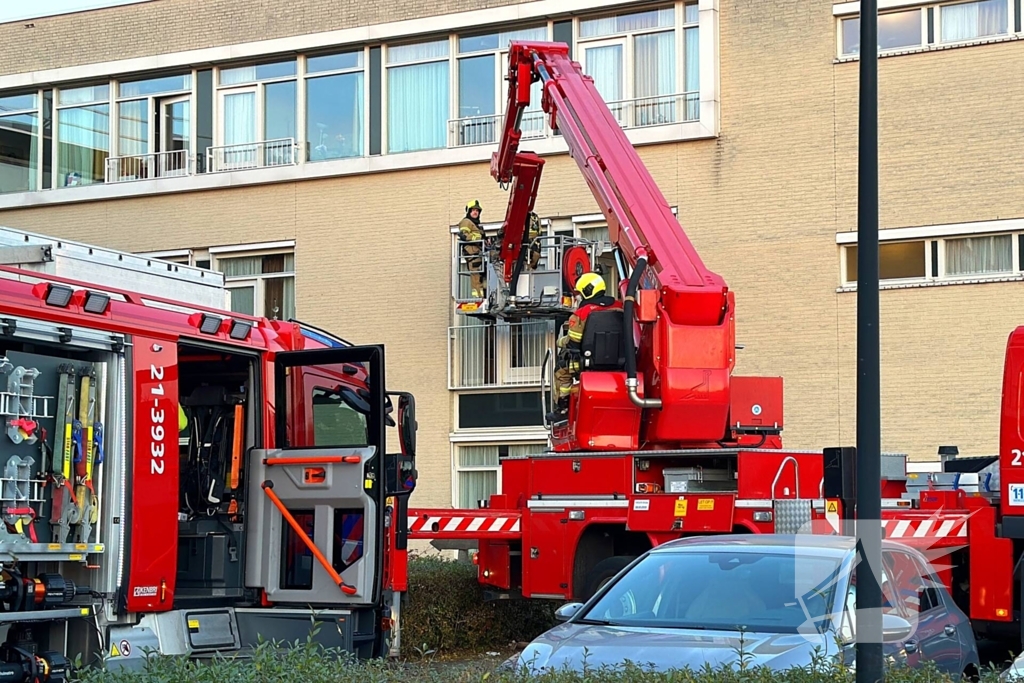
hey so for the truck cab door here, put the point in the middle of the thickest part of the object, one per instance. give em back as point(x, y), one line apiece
point(316, 524)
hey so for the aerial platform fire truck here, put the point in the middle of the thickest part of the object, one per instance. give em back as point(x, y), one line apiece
point(183, 479)
point(661, 440)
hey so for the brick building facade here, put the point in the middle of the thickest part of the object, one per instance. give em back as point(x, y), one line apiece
point(345, 216)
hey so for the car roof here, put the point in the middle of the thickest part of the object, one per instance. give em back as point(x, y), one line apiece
point(823, 543)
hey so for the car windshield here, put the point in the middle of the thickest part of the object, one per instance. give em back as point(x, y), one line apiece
point(778, 591)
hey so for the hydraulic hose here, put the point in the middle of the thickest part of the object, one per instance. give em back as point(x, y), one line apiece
point(627, 329)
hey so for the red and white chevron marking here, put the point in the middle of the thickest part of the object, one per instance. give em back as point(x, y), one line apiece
point(925, 528)
point(420, 524)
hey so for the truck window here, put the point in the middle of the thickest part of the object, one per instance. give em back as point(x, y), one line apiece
point(335, 421)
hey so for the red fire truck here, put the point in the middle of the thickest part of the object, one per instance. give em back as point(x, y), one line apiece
point(661, 439)
point(181, 478)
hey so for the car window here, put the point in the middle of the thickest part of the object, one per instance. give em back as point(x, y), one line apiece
point(777, 592)
point(915, 584)
point(848, 624)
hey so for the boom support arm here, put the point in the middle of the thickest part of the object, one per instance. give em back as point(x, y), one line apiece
point(686, 352)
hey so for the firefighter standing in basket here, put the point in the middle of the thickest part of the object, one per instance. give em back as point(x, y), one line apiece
point(591, 288)
point(470, 231)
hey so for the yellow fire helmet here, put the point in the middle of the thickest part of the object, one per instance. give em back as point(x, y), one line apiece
point(475, 204)
point(182, 419)
point(590, 285)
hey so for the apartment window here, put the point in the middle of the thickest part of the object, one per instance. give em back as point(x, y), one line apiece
point(334, 106)
point(417, 96)
point(633, 59)
point(19, 143)
point(482, 64)
point(896, 31)
point(896, 261)
point(260, 284)
point(477, 468)
point(501, 409)
point(979, 255)
point(154, 128)
point(971, 20)
point(83, 135)
point(258, 106)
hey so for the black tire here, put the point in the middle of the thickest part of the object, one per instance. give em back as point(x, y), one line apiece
point(602, 572)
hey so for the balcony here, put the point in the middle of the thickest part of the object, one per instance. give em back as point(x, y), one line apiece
point(485, 130)
point(175, 163)
point(659, 110)
point(280, 152)
point(500, 355)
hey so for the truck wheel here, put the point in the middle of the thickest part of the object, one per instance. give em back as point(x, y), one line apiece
point(603, 572)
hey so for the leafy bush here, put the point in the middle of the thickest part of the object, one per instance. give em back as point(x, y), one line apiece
point(446, 611)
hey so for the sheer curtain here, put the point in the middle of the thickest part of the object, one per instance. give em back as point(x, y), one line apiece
point(417, 106)
point(691, 77)
point(477, 485)
point(973, 20)
point(654, 76)
point(83, 135)
point(239, 129)
point(975, 255)
point(605, 65)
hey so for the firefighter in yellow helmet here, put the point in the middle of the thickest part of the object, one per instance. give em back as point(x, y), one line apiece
point(532, 233)
point(591, 288)
point(471, 232)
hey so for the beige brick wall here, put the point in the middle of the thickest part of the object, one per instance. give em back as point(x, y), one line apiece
point(762, 203)
point(163, 26)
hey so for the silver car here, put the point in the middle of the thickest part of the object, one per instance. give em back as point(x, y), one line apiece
point(775, 601)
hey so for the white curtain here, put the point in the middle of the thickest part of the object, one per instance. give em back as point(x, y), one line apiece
point(654, 76)
point(976, 255)
point(973, 20)
point(133, 128)
point(417, 106)
point(691, 78)
point(239, 129)
point(605, 65)
point(83, 135)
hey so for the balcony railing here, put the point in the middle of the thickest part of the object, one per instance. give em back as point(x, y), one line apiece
point(280, 152)
point(171, 164)
point(659, 110)
point(500, 355)
point(485, 130)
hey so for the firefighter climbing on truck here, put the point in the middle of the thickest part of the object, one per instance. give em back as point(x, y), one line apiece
point(592, 290)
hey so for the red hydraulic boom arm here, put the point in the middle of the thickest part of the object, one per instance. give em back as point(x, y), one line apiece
point(687, 330)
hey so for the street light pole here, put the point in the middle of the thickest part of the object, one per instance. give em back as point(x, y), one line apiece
point(869, 440)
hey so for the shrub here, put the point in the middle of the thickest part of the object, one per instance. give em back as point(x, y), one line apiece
point(446, 611)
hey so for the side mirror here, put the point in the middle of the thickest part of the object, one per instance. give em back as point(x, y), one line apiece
point(895, 628)
point(407, 423)
point(568, 611)
point(401, 472)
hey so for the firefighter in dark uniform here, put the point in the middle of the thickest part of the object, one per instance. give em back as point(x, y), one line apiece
point(532, 233)
point(591, 288)
point(470, 231)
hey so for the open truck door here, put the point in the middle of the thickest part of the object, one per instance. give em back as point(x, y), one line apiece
point(317, 499)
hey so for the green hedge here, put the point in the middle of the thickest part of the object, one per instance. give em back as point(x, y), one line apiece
point(446, 612)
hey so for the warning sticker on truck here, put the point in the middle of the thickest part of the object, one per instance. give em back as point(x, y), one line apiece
point(144, 592)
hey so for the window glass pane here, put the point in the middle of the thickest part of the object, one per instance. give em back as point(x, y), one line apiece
point(241, 266)
point(17, 103)
point(605, 65)
point(476, 486)
point(476, 86)
point(637, 21)
point(494, 41)
point(335, 422)
point(257, 72)
point(975, 255)
point(279, 298)
point(344, 60)
point(92, 93)
point(413, 53)
point(520, 409)
point(296, 557)
point(84, 141)
point(478, 456)
point(151, 86)
point(348, 538)
point(243, 300)
point(654, 74)
point(692, 14)
point(132, 128)
point(417, 107)
point(239, 118)
point(973, 20)
point(895, 260)
point(691, 77)
point(279, 111)
point(895, 30)
point(19, 152)
point(275, 70)
point(240, 74)
point(334, 116)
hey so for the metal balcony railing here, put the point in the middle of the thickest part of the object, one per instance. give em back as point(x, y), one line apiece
point(280, 152)
point(659, 110)
point(498, 355)
point(484, 130)
point(174, 163)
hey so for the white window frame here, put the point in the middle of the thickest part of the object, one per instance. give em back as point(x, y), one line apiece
point(38, 135)
point(496, 440)
point(259, 87)
point(155, 122)
point(386, 69)
point(975, 39)
point(939, 234)
point(257, 282)
point(55, 162)
point(302, 91)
